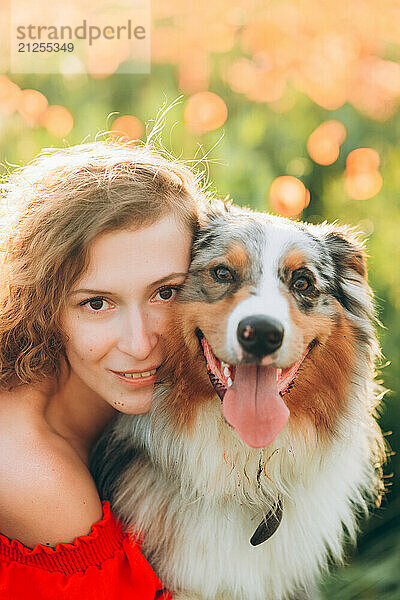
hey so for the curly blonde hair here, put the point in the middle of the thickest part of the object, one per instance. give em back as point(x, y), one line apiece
point(52, 211)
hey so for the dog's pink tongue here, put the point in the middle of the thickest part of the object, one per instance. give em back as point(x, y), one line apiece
point(254, 407)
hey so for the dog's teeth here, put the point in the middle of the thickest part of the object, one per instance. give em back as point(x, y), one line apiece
point(229, 382)
point(227, 372)
point(278, 373)
point(224, 364)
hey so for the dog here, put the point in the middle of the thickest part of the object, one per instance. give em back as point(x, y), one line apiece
point(262, 447)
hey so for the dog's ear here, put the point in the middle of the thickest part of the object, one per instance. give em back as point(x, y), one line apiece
point(347, 250)
point(213, 217)
point(214, 210)
point(348, 258)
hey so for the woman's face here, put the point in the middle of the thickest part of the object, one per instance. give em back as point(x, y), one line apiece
point(119, 309)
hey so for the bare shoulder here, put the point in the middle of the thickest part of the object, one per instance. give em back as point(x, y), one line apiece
point(46, 492)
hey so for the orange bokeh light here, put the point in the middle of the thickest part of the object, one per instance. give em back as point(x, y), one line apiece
point(104, 59)
point(242, 75)
point(205, 111)
point(323, 144)
point(58, 121)
point(363, 185)
point(32, 106)
point(269, 86)
point(127, 127)
point(10, 95)
point(335, 130)
point(330, 51)
point(322, 150)
point(288, 195)
point(362, 160)
point(194, 74)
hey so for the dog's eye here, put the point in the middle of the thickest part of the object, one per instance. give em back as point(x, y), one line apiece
point(222, 273)
point(301, 284)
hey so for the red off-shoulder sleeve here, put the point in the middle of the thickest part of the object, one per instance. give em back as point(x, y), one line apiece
point(104, 565)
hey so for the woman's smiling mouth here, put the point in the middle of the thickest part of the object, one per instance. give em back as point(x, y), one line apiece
point(137, 378)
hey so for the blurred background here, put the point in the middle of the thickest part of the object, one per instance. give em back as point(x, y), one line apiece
point(287, 106)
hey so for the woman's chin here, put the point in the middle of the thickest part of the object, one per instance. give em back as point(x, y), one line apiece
point(135, 402)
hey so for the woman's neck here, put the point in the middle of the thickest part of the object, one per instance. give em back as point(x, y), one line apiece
point(78, 414)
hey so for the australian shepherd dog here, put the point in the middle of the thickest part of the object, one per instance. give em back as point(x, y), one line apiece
point(261, 447)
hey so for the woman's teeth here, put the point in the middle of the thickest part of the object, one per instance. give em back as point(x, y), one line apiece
point(139, 375)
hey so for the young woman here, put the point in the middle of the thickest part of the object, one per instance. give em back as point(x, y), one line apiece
point(96, 241)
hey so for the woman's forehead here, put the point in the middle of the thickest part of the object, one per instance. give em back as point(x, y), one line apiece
point(139, 256)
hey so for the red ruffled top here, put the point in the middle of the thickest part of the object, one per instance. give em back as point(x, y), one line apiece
point(106, 564)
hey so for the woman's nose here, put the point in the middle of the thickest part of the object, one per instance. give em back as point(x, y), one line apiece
point(138, 335)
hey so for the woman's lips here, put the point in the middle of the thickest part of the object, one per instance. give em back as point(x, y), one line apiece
point(136, 378)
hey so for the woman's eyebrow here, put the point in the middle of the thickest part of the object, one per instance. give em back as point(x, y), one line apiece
point(154, 283)
point(88, 291)
point(167, 278)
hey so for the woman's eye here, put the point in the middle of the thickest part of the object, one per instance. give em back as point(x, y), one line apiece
point(165, 294)
point(301, 284)
point(96, 304)
point(223, 273)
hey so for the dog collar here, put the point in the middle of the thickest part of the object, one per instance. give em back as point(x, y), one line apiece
point(268, 525)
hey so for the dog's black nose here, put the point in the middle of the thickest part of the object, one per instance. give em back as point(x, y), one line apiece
point(260, 335)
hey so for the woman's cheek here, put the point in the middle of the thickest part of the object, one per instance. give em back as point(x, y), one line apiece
point(90, 340)
point(161, 318)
